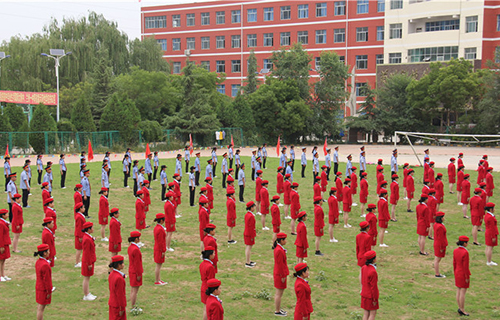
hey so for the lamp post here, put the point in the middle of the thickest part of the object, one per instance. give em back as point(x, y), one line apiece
point(57, 54)
point(2, 56)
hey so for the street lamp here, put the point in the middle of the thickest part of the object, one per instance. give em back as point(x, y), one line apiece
point(57, 54)
point(2, 56)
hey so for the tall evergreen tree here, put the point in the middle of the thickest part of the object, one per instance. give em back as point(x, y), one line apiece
point(102, 77)
point(252, 80)
point(81, 115)
point(15, 116)
point(121, 114)
point(42, 122)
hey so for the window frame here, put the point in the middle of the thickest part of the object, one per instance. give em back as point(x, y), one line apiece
point(474, 23)
point(220, 42)
point(222, 16)
point(155, 22)
point(175, 65)
point(235, 37)
point(285, 11)
point(236, 64)
point(162, 43)
point(323, 11)
point(283, 34)
point(363, 5)
point(252, 39)
point(235, 16)
point(253, 15)
point(339, 32)
point(191, 43)
point(205, 16)
point(339, 8)
point(176, 19)
point(220, 65)
point(176, 41)
point(360, 33)
point(266, 14)
point(204, 41)
point(396, 31)
point(303, 11)
point(320, 36)
point(266, 39)
point(303, 34)
point(189, 17)
point(381, 6)
point(362, 62)
point(395, 57)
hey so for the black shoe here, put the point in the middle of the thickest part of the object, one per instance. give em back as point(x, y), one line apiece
point(424, 253)
point(249, 265)
point(476, 243)
point(293, 233)
point(319, 254)
point(409, 210)
point(460, 312)
point(440, 276)
point(430, 238)
point(280, 314)
point(253, 263)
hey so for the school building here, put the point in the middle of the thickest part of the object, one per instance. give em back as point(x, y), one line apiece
point(219, 35)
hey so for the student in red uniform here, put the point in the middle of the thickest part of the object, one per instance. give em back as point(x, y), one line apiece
point(422, 223)
point(371, 218)
point(363, 192)
point(135, 269)
point(249, 233)
point(369, 286)
point(426, 188)
point(77, 197)
point(178, 193)
point(406, 169)
point(363, 244)
point(43, 285)
point(354, 183)
point(207, 272)
point(258, 186)
point(117, 297)
point(430, 174)
point(4, 243)
point(45, 192)
point(160, 246)
point(380, 178)
point(462, 272)
point(303, 307)
point(319, 223)
point(88, 259)
point(440, 242)
point(491, 232)
point(276, 216)
point(339, 186)
point(17, 221)
point(104, 214)
point(203, 218)
point(432, 205)
point(264, 203)
point(460, 162)
point(115, 235)
point(460, 179)
point(279, 182)
point(287, 188)
point(439, 187)
point(490, 185)
point(452, 174)
point(294, 206)
point(49, 238)
point(79, 222)
point(231, 215)
point(481, 172)
point(394, 196)
point(301, 242)
point(410, 189)
point(210, 192)
point(280, 272)
point(147, 197)
point(465, 194)
point(346, 201)
point(476, 212)
point(214, 304)
point(50, 211)
point(333, 213)
point(383, 216)
point(211, 241)
point(317, 187)
point(140, 214)
point(324, 179)
point(170, 220)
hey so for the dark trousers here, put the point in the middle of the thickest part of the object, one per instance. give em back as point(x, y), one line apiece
point(63, 179)
point(214, 169)
point(163, 191)
point(197, 178)
point(187, 165)
point(335, 167)
point(154, 173)
point(192, 191)
point(253, 174)
point(393, 172)
point(303, 171)
point(10, 212)
point(86, 203)
point(109, 173)
point(236, 172)
point(315, 174)
point(293, 164)
point(39, 177)
point(135, 187)
point(7, 180)
point(328, 173)
point(25, 197)
point(125, 179)
point(230, 163)
point(264, 163)
point(149, 177)
point(242, 191)
point(224, 176)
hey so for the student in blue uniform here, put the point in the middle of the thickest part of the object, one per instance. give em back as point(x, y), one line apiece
point(241, 182)
point(336, 160)
point(25, 185)
point(224, 169)
point(192, 185)
point(7, 171)
point(130, 161)
point(362, 160)
point(11, 191)
point(62, 170)
point(148, 167)
point(39, 168)
point(156, 164)
point(163, 182)
point(187, 157)
point(264, 155)
point(86, 192)
point(231, 155)
point(135, 175)
point(292, 156)
point(178, 164)
point(197, 169)
point(328, 163)
point(208, 169)
point(214, 161)
point(283, 157)
point(303, 161)
point(126, 171)
point(237, 162)
point(252, 163)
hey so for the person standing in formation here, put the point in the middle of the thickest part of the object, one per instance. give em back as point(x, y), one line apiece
point(214, 304)
point(187, 157)
point(280, 272)
point(203, 217)
point(410, 189)
point(363, 245)
point(88, 259)
point(440, 243)
point(11, 190)
point(369, 286)
point(224, 170)
point(160, 247)
point(432, 205)
point(333, 213)
point(422, 223)
point(383, 216)
point(289, 169)
point(25, 185)
point(103, 212)
point(380, 177)
point(406, 169)
point(363, 192)
point(354, 184)
point(208, 169)
point(460, 179)
point(292, 157)
point(49, 238)
point(264, 156)
point(231, 215)
point(192, 185)
point(117, 301)
point(319, 223)
point(394, 162)
point(43, 287)
point(283, 158)
point(135, 269)
point(170, 219)
point(50, 211)
point(294, 205)
point(17, 221)
point(62, 170)
point(394, 196)
point(211, 241)
point(303, 307)
point(7, 171)
point(207, 272)
point(481, 172)
point(241, 182)
point(317, 187)
point(348, 168)
point(362, 160)
point(156, 163)
point(439, 187)
point(303, 162)
point(346, 202)
point(452, 174)
point(336, 160)
point(324, 179)
point(115, 236)
point(280, 181)
point(140, 214)
point(39, 168)
point(4, 243)
point(339, 186)
point(249, 233)
point(178, 165)
point(79, 222)
point(465, 194)
point(301, 242)
point(491, 233)
point(237, 162)
point(135, 176)
point(490, 185)
point(86, 191)
point(231, 155)
point(462, 272)
point(315, 166)
point(148, 167)
point(430, 174)
point(264, 203)
point(214, 160)
point(372, 220)
point(328, 163)
point(126, 171)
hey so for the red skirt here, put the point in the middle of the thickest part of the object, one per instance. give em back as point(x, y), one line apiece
point(139, 225)
point(394, 201)
point(300, 252)
point(103, 220)
point(476, 220)
point(278, 284)
point(374, 239)
point(249, 241)
point(276, 228)
point(346, 207)
point(319, 232)
point(159, 257)
point(438, 253)
point(293, 214)
point(41, 297)
point(170, 228)
point(85, 269)
point(422, 230)
point(488, 240)
point(409, 195)
point(78, 244)
point(112, 246)
point(333, 219)
point(383, 224)
point(367, 304)
point(460, 281)
point(15, 230)
point(363, 198)
point(114, 314)
point(231, 223)
point(6, 254)
point(133, 280)
point(287, 199)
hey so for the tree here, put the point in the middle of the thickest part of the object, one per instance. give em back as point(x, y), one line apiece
point(243, 116)
point(146, 54)
point(293, 64)
point(69, 95)
point(81, 116)
point(102, 76)
point(366, 120)
point(252, 81)
point(122, 115)
point(151, 130)
point(5, 123)
point(40, 123)
point(488, 109)
point(15, 116)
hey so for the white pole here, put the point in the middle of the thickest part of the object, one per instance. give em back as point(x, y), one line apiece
point(57, 76)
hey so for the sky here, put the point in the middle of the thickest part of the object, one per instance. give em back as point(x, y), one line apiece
point(27, 17)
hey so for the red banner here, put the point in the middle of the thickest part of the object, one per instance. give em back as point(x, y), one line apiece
point(22, 97)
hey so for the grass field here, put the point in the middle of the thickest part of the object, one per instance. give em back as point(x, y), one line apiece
point(408, 289)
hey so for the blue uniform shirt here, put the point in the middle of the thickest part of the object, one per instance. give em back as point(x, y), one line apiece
point(147, 166)
point(197, 166)
point(163, 177)
point(303, 159)
point(292, 154)
point(362, 162)
point(394, 164)
point(62, 164)
point(24, 184)
point(290, 171)
point(86, 187)
point(156, 161)
point(104, 179)
point(46, 178)
point(208, 171)
point(241, 177)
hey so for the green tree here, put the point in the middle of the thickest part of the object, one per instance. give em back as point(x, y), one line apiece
point(5, 123)
point(102, 77)
point(81, 116)
point(41, 122)
point(151, 131)
point(122, 115)
point(15, 116)
point(69, 95)
point(488, 109)
point(147, 54)
point(244, 117)
point(366, 120)
point(252, 80)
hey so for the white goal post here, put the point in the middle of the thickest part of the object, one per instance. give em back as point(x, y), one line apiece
point(445, 138)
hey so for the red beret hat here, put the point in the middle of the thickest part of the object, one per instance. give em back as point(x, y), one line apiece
point(364, 174)
point(3, 211)
point(46, 184)
point(333, 189)
point(281, 235)
point(230, 192)
point(424, 196)
point(77, 186)
point(478, 190)
point(339, 173)
point(42, 247)
point(394, 176)
point(317, 178)
point(140, 192)
point(117, 258)
point(210, 226)
point(440, 214)
point(78, 206)
point(160, 216)
point(317, 198)
point(209, 248)
point(439, 174)
point(250, 204)
point(114, 210)
point(295, 184)
point(87, 224)
point(146, 181)
point(490, 205)
point(370, 255)
point(17, 195)
point(135, 234)
point(364, 224)
point(382, 191)
point(300, 266)
point(259, 171)
point(48, 219)
point(463, 238)
point(301, 214)
point(287, 175)
point(175, 175)
point(213, 283)
point(265, 182)
point(208, 178)
point(276, 197)
point(203, 200)
point(203, 189)
point(371, 206)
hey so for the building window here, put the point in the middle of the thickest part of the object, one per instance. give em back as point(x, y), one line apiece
point(396, 31)
point(176, 44)
point(396, 4)
point(285, 38)
point(433, 54)
point(268, 40)
point(220, 42)
point(252, 15)
point(176, 20)
point(395, 57)
point(303, 37)
point(380, 33)
point(342, 58)
point(206, 65)
point(236, 41)
point(190, 43)
point(220, 66)
point(205, 43)
point(380, 59)
point(320, 36)
point(235, 89)
point(362, 34)
point(363, 6)
point(339, 35)
point(497, 55)
point(155, 22)
point(470, 53)
point(321, 9)
point(205, 18)
point(339, 8)
point(303, 11)
point(221, 88)
point(162, 43)
point(268, 14)
point(471, 24)
point(442, 25)
point(381, 6)
point(362, 62)
point(317, 63)
point(235, 66)
point(285, 13)
point(235, 16)
point(190, 19)
point(268, 64)
point(361, 89)
point(498, 22)
point(176, 67)
point(220, 17)
point(251, 40)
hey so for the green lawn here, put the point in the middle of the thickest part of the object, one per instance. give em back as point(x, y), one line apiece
point(408, 289)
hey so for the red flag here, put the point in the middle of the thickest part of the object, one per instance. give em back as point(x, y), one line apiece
point(324, 147)
point(278, 147)
point(232, 142)
point(90, 152)
point(147, 150)
point(7, 151)
point(190, 144)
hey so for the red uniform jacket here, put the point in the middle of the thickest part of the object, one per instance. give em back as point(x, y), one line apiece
point(115, 236)
point(258, 186)
point(425, 190)
point(103, 208)
point(438, 185)
point(354, 183)
point(169, 209)
point(207, 272)
point(205, 197)
point(280, 264)
point(430, 176)
point(410, 184)
point(339, 186)
point(372, 220)
point(460, 162)
point(250, 225)
point(491, 225)
point(204, 219)
point(347, 198)
point(316, 190)
point(77, 197)
point(481, 173)
point(432, 205)
point(279, 183)
point(134, 260)
point(295, 199)
point(45, 195)
point(440, 239)
point(212, 242)
point(79, 221)
point(394, 191)
point(178, 193)
point(405, 175)
point(363, 244)
point(49, 238)
point(140, 214)
point(422, 213)
point(465, 191)
point(231, 211)
point(426, 170)
point(43, 276)
point(4, 234)
point(380, 178)
point(275, 215)
point(50, 212)
point(117, 295)
point(210, 195)
point(160, 236)
point(17, 216)
point(301, 240)
point(214, 308)
point(304, 307)
point(383, 210)
point(264, 201)
point(319, 216)
point(369, 282)
point(147, 198)
point(475, 206)
point(333, 207)
point(363, 188)
point(460, 179)
point(452, 173)
point(287, 192)
point(324, 181)
point(489, 184)
point(88, 254)
point(461, 267)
